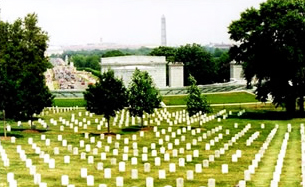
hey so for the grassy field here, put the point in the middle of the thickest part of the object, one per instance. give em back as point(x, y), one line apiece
point(219, 98)
point(254, 115)
point(69, 102)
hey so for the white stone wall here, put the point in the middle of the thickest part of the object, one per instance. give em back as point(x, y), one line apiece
point(176, 75)
point(236, 72)
point(124, 67)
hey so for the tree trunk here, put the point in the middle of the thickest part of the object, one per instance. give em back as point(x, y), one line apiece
point(301, 104)
point(148, 120)
point(31, 118)
point(4, 126)
point(249, 84)
point(108, 127)
point(290, 105)
point(142, 122)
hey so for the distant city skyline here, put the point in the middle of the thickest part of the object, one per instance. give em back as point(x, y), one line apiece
point(130, 22)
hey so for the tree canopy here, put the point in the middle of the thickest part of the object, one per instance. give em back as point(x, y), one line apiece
point(22, 64)
point(271, 43)
point(143, 95)
point(195, 102)
point(107, 96)
point(168, 52)
point(198, 62)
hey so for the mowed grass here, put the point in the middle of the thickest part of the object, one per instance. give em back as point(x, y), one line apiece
point(69, 102)
point(217, 98)
point(254, 115)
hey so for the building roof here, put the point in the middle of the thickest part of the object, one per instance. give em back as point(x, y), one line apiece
point(133, 60)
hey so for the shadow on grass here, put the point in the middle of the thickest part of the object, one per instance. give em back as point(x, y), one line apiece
point(29, 130)
point(131, 129)
point(269, 115)
point(11, 135)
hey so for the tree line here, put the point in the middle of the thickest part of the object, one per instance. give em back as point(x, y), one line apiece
point(207, 65)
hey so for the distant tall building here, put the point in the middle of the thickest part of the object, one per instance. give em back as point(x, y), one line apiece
point(163, 31)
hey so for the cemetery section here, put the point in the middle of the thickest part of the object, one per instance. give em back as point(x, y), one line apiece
point(68, 148)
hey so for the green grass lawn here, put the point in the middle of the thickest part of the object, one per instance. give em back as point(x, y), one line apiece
point(219, 98)
point(69, 102)
point(254, 115)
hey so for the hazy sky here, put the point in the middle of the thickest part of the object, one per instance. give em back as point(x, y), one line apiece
point(130, 21)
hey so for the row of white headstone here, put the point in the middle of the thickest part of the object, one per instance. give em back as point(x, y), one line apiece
point(32, 168)
point(159, 117)
point(56, 109)
point(4, 157)
point(257, 159)
point(280, 160)
point(302, 132)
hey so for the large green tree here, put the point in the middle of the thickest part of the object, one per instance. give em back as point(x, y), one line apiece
point(195, 102)
point(143, 95)
point(271, 42)
point(198, 62)
point(107, 96)
point(168, 52)
point(222, 64)
point(22, 64)
point(90, 61)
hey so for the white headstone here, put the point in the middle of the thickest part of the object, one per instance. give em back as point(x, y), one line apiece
point(162, 174)
point(66, 159)
point(100, 166)
point(157, 161)
point(181, 162)
point(52, 163)
point(83, 172)
point(211, 182)
point(189, 175)
point(144, 157)
point(119, 181)
point(172, 167)
point(107, 173)
point(37, 178)
point(198, 168)
point(90, 180)
point(179, 182)
point(149, 182)
point(134, 161)
point(122, 167)
point(90, 159)
point(224, 168)
point(134, 174)
point(146, 167)
point(64, 180)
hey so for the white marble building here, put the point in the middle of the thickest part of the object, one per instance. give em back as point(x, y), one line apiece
point(124, 66)
point(176, 75)
point(236, 72)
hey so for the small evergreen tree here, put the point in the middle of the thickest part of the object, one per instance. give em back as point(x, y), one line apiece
point(107, 96)
point(143, 96)
point(195, 102)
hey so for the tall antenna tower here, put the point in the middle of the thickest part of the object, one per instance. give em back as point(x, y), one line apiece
point(163, 31)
